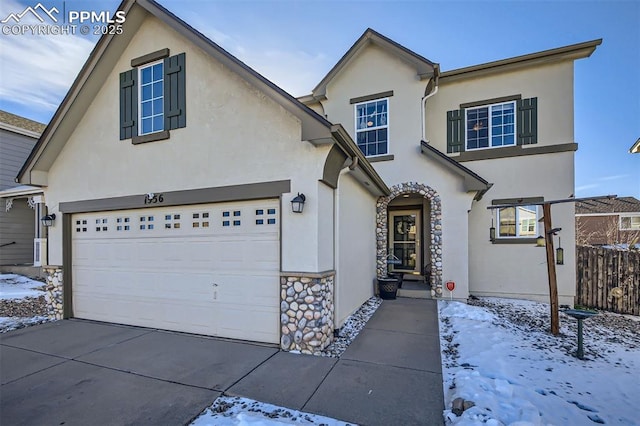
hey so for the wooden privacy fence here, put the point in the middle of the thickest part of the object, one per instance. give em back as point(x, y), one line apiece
point(608, 279)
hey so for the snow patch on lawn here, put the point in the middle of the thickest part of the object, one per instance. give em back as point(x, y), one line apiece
point(14, 287)
point(501, 357)
point(14, 323)
point(235, 411)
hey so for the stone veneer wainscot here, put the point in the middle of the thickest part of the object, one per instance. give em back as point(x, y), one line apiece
point(53, 296)
point(306, 313)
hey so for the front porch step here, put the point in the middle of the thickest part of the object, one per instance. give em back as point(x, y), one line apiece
point(414, 294)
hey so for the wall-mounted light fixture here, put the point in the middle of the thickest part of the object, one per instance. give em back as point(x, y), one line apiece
point(48, 219)
point(492, 232)
point(297, 204)
point(559, 254)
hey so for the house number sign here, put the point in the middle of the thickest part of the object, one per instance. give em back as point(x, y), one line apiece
point(152, 198)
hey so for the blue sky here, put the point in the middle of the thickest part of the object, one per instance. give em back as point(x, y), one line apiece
point(295, 43)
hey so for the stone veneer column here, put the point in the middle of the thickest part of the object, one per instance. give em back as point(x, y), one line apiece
point(435, 248)
point(53, 296)
point(306, 313)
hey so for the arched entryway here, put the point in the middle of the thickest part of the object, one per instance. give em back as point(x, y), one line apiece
point(435, 228)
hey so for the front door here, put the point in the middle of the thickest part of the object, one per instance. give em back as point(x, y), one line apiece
point(404, 242)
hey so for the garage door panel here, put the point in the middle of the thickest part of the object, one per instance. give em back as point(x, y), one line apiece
point(157, 268)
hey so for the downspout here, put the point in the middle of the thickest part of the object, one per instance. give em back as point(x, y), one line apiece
point(423, 102)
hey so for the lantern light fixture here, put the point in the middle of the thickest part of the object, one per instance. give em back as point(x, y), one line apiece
point(48, 220)
point(297, 204)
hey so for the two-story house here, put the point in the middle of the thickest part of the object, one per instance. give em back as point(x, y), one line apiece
point(192, 194)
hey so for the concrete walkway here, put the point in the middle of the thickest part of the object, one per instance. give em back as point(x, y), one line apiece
point(81, 372)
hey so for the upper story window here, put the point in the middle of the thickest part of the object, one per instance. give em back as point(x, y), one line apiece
point(518, 222)
point(630, 223)
point(372, 126)
point(151, 98)
point(491, 126)
point(494, 123)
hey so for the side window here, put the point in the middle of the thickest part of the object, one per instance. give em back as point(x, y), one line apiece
point(518, 222)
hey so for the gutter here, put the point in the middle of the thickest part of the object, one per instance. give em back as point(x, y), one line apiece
point(423, 101)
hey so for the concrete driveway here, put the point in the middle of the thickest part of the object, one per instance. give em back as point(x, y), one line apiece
point(77, 372)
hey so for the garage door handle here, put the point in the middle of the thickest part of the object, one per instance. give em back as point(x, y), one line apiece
point(215, 291)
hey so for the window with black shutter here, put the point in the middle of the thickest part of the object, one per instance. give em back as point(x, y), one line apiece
point(153, 97)
point(492, 125)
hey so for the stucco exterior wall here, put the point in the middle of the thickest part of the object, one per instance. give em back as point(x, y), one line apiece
point(234, 135)
point(519, 270)
point(356, 247)
point(552, 84)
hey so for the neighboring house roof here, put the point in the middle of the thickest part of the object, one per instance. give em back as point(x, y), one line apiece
point(472, 181)
point(615, 205)
point(635, 148)
point(15, 123)
point(315, 128)
point(571, 52)
point(20, 191)
point(424, 67)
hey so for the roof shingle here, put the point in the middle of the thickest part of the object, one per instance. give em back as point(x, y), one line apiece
point(615, 205)
point(21, 122)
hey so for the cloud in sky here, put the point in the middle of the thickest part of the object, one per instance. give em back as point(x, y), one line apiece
point(37, 71)
point(295, 71)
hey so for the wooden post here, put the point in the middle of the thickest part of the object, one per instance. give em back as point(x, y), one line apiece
point(551, 269)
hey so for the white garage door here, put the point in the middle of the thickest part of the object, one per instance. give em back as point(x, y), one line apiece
point(209, 269)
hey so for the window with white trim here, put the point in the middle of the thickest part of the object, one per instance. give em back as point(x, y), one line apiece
point(372, 127)
point(630, 223)
point(491, 126)
point(518, 222)
point(151, 98)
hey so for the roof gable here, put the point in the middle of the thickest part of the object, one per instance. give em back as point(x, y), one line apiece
point(106, 53)
point(424, 67)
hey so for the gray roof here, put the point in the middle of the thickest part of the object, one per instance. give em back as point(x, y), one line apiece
point(21, 122)
point(616, 205)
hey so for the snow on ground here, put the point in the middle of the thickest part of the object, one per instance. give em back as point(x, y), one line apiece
point(235, 411)
point(18, 297)
point(500, 356)
point(13, 287)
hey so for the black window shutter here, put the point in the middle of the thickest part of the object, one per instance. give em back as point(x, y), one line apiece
point(128, 104)
point(528, 121)
point(455, 130)
point(175, 112)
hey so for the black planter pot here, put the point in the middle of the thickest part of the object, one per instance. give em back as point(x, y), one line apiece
point(388, 288)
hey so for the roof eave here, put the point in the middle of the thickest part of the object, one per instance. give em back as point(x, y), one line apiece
point(472, 181)
point(565, 53)
point(635, 148)
point(374, 183)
